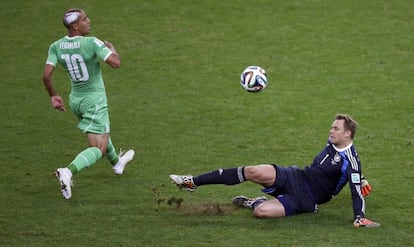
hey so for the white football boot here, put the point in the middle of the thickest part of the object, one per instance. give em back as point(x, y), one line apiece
point(184, 181)
point(124, 158)
point(64, 176)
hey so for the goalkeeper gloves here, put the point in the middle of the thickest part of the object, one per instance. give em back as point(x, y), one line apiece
point(360, 221)
point(365, 187)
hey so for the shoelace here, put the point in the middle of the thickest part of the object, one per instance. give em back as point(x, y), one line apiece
point(121, 152)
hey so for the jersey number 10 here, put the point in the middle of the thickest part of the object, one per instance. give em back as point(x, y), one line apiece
point(76, 67)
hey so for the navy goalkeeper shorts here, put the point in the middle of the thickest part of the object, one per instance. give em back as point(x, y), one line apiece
point(292, 190)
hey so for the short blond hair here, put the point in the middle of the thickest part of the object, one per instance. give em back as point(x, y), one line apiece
point(349, 123)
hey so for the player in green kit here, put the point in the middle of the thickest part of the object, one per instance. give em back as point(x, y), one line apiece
point(80, 56)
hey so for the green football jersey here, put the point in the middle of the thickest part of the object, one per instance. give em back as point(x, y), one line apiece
point(80, 57)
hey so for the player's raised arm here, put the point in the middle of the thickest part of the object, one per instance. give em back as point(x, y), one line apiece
point(113, 60)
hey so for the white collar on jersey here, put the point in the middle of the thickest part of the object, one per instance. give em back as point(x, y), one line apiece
point(342, 149)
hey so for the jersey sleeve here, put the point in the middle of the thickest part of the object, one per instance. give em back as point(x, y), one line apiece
point(101, 50)
point(52, 58)
point(354, 179)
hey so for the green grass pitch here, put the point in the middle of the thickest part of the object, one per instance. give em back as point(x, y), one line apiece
point(177, 101)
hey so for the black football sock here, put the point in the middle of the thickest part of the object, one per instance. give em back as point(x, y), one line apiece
point(258, 202)
point(228, 176)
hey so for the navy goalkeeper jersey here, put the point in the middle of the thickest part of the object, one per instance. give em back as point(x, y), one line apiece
point(329, 172)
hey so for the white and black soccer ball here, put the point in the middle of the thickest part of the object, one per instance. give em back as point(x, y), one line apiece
point(253, 79)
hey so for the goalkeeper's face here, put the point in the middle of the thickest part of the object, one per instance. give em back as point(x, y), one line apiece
point(338, 135)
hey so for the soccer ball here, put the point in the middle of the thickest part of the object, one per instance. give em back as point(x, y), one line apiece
point(253, 79)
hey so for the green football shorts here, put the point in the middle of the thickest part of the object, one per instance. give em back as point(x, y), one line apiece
point(92, 111)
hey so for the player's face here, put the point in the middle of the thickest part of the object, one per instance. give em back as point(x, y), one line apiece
point(84, 24)
point(338, 135)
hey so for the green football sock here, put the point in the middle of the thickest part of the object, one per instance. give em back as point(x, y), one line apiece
point(111, 153)
point(86, 158)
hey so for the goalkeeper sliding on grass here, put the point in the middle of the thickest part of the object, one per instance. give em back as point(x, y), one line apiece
point(299, 190)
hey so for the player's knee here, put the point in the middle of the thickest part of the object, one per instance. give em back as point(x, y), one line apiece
point(263, 174)
point(252, 172)
point(269, 209)
point(261, 212)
